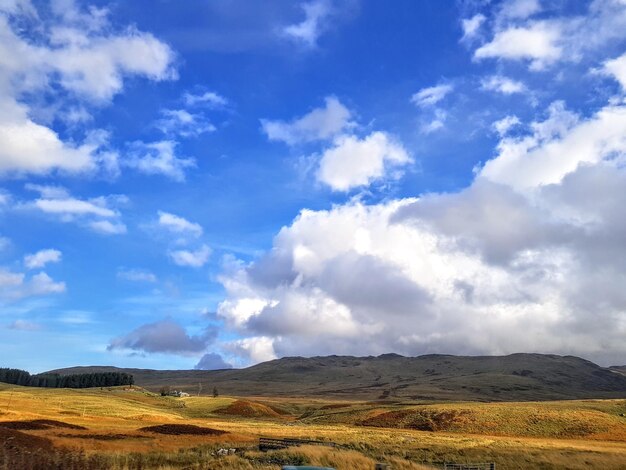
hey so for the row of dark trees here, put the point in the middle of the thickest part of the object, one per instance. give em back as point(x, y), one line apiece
point(95, 379)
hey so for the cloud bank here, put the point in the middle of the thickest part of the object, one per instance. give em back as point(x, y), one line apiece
point(524, 259)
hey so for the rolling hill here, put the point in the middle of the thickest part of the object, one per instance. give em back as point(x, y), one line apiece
point(619, 369)
point(516, 377)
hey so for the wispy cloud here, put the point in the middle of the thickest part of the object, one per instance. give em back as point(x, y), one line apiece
point(191, 258)
point(431, 95)
point(309, 30)
point(319, 124)
point(136, 275)
point(41, 258)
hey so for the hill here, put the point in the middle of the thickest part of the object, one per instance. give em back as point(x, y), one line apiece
point(618, 369)
point(516, 377)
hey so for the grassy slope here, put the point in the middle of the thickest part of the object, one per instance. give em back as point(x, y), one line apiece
point(619, 369)
point(434, 377)
point(516, 435)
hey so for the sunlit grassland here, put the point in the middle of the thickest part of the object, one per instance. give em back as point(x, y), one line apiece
point(560, 435)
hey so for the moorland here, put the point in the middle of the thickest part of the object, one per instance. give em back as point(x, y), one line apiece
point(135, 427)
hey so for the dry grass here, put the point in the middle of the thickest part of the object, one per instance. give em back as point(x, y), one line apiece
point(590, 419)
point(545, 435)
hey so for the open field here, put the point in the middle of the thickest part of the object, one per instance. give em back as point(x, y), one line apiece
point(105, 428)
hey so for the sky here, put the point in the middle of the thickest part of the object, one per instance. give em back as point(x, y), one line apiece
point(211, 184)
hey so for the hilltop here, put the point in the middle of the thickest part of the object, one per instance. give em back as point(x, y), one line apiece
point(516, 377)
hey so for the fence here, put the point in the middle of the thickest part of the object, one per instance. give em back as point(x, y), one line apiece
point(469, 466)
point(268, 443)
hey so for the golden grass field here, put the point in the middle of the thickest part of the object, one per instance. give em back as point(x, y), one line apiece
point(578, 434)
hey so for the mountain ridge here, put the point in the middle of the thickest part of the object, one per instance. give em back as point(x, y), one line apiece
point(432, 377)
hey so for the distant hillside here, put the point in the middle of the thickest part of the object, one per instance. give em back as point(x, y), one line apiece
point(620, 369)
point(433, 377)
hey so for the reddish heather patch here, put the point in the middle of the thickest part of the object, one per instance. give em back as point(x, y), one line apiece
point(38, 424)
point(249, 409)
point(180, 429)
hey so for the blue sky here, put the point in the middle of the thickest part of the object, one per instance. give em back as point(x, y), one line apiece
point(218, 183)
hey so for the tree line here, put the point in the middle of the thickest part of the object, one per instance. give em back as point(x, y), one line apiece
point(94, 379)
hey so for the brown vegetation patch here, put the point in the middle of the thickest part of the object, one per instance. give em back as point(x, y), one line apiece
point(335, 406)
point(38, 424)
point(422, 420)
point(104, 437)
point(18, 442)
point(279, 410)
point(180, 429)
point(248, 409)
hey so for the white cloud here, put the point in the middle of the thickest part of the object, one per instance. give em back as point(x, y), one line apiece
point(159, 158)
point(179, 225)
point(354, 162)
point(76, 53)
point(436, 123)
point(48, 191)
point(537, 42)
point(183, 123)
point(5, 198)
point(431, 95)
point(319, 124)
point(520, 9)
point(558, 38)
point(617, 68)
point(136, 275)
point(32, 148)
point(558, 146)
point(502, 126)
point(194, 259)
point(10, 279)
point(41, 258)
point(208, 98)
point(471, 26)
point(107, 227)
point(15, 286)
point(95, 67)
point(72, 206)
point(309, 30)
point(17, 6)
point(530, 247)
point(97, 214)
point(41, 284)
point(75, 115)
point(258, 349)
point(501, 84)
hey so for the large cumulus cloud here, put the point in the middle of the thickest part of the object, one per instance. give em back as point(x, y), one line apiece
point(521, 260)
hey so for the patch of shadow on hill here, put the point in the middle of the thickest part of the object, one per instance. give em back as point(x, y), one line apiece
point(38, 424)
point(180, 429)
